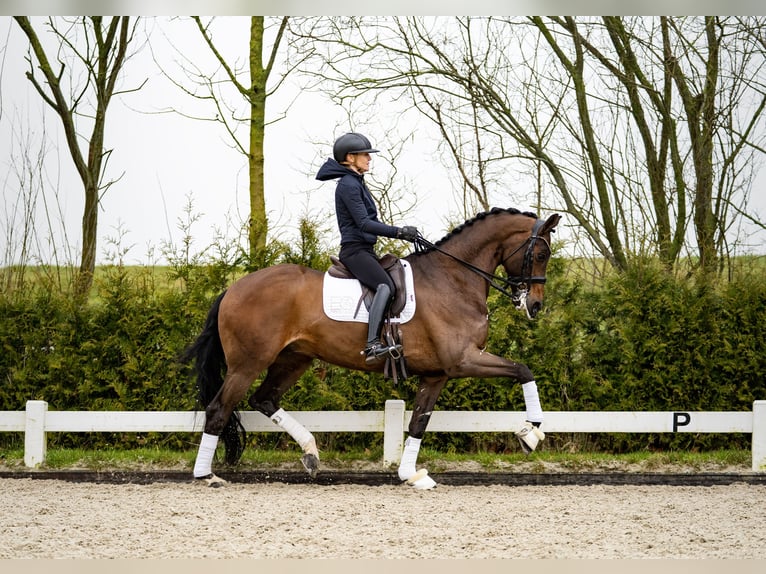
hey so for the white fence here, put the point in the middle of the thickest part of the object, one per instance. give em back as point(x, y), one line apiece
point(37, 421)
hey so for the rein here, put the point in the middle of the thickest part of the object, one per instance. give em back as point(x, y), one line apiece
point(518, 284)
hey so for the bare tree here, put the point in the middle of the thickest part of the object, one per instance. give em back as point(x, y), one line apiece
point(238, 96)
point(78, 83)
point(636, 127)
point(25, 236)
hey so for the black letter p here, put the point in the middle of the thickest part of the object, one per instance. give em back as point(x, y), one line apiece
point(680, 420)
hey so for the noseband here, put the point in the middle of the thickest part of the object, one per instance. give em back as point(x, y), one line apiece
point(519, 285)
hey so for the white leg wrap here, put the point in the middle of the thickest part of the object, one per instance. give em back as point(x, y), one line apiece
point(409, 458)
point(203, 466)
point(532, 402)
point(296, 430)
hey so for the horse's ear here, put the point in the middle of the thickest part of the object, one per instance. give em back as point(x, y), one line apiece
point(550, 224)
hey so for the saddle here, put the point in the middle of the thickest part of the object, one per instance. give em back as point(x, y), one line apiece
point(394, 367)
point(393, 266)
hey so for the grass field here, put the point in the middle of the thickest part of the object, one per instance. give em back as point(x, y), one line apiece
point(540, 462)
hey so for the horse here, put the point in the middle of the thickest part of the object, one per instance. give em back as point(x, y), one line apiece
point(272, 320)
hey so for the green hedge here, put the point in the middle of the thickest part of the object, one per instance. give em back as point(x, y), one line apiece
point(646, 340)
point(643, 340)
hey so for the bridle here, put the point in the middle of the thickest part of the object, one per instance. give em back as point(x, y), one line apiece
point(519, 284)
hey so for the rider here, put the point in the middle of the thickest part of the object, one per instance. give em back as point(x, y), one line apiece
point(359, 230)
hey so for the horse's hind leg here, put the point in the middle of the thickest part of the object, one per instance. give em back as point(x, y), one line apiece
point(282, 375)
point(217, 415)
point(428, 392)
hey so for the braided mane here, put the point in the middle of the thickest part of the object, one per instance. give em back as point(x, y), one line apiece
point(479, 217)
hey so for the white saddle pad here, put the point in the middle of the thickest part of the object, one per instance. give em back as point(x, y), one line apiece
point(340, 298)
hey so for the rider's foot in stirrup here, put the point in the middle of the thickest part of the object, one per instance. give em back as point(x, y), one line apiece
point(378, 350)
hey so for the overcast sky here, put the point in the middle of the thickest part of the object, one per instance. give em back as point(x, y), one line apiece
point(164, 160)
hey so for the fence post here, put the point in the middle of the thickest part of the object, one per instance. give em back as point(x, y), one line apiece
point(759, 436)
point(35, 443)
point(393, 431)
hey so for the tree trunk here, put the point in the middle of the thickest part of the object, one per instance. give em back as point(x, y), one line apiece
point(258, 77)
point(700, 115)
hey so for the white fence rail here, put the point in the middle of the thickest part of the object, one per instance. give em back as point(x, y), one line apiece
point(37, 421)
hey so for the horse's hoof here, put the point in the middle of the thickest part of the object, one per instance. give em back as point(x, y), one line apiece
point(529, 437)
point(211, 480)
point(421, 481)
point(311, 463)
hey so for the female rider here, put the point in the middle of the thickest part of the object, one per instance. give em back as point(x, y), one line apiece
point(359, 230)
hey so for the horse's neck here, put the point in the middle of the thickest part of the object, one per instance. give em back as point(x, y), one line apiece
point(478, 250)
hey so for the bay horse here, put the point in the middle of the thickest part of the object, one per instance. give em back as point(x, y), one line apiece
point(273, 320)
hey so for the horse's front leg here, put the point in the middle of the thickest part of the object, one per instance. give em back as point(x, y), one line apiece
point(479, 363)
point(428, 392)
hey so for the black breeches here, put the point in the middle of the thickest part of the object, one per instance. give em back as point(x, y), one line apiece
point(365, 267)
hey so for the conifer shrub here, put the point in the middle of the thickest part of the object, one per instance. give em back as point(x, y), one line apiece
point(642, 340)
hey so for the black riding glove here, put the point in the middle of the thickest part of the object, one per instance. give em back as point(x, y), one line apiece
point(408, 233)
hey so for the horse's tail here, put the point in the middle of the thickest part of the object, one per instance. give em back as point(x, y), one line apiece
point(209, 367)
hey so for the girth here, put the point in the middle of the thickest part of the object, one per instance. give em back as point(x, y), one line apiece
point(393, 266)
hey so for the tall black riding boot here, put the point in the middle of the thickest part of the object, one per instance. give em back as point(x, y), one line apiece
point(375, 348)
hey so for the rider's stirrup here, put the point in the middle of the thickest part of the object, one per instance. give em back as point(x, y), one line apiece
point(378, 350)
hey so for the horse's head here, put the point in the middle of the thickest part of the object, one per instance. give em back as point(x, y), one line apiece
point(525, 265)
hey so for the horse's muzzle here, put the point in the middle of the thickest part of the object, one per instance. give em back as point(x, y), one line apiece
point(533, 308)
point(528, 301)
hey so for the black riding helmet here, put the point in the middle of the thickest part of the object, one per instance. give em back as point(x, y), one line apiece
point(351, 142)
